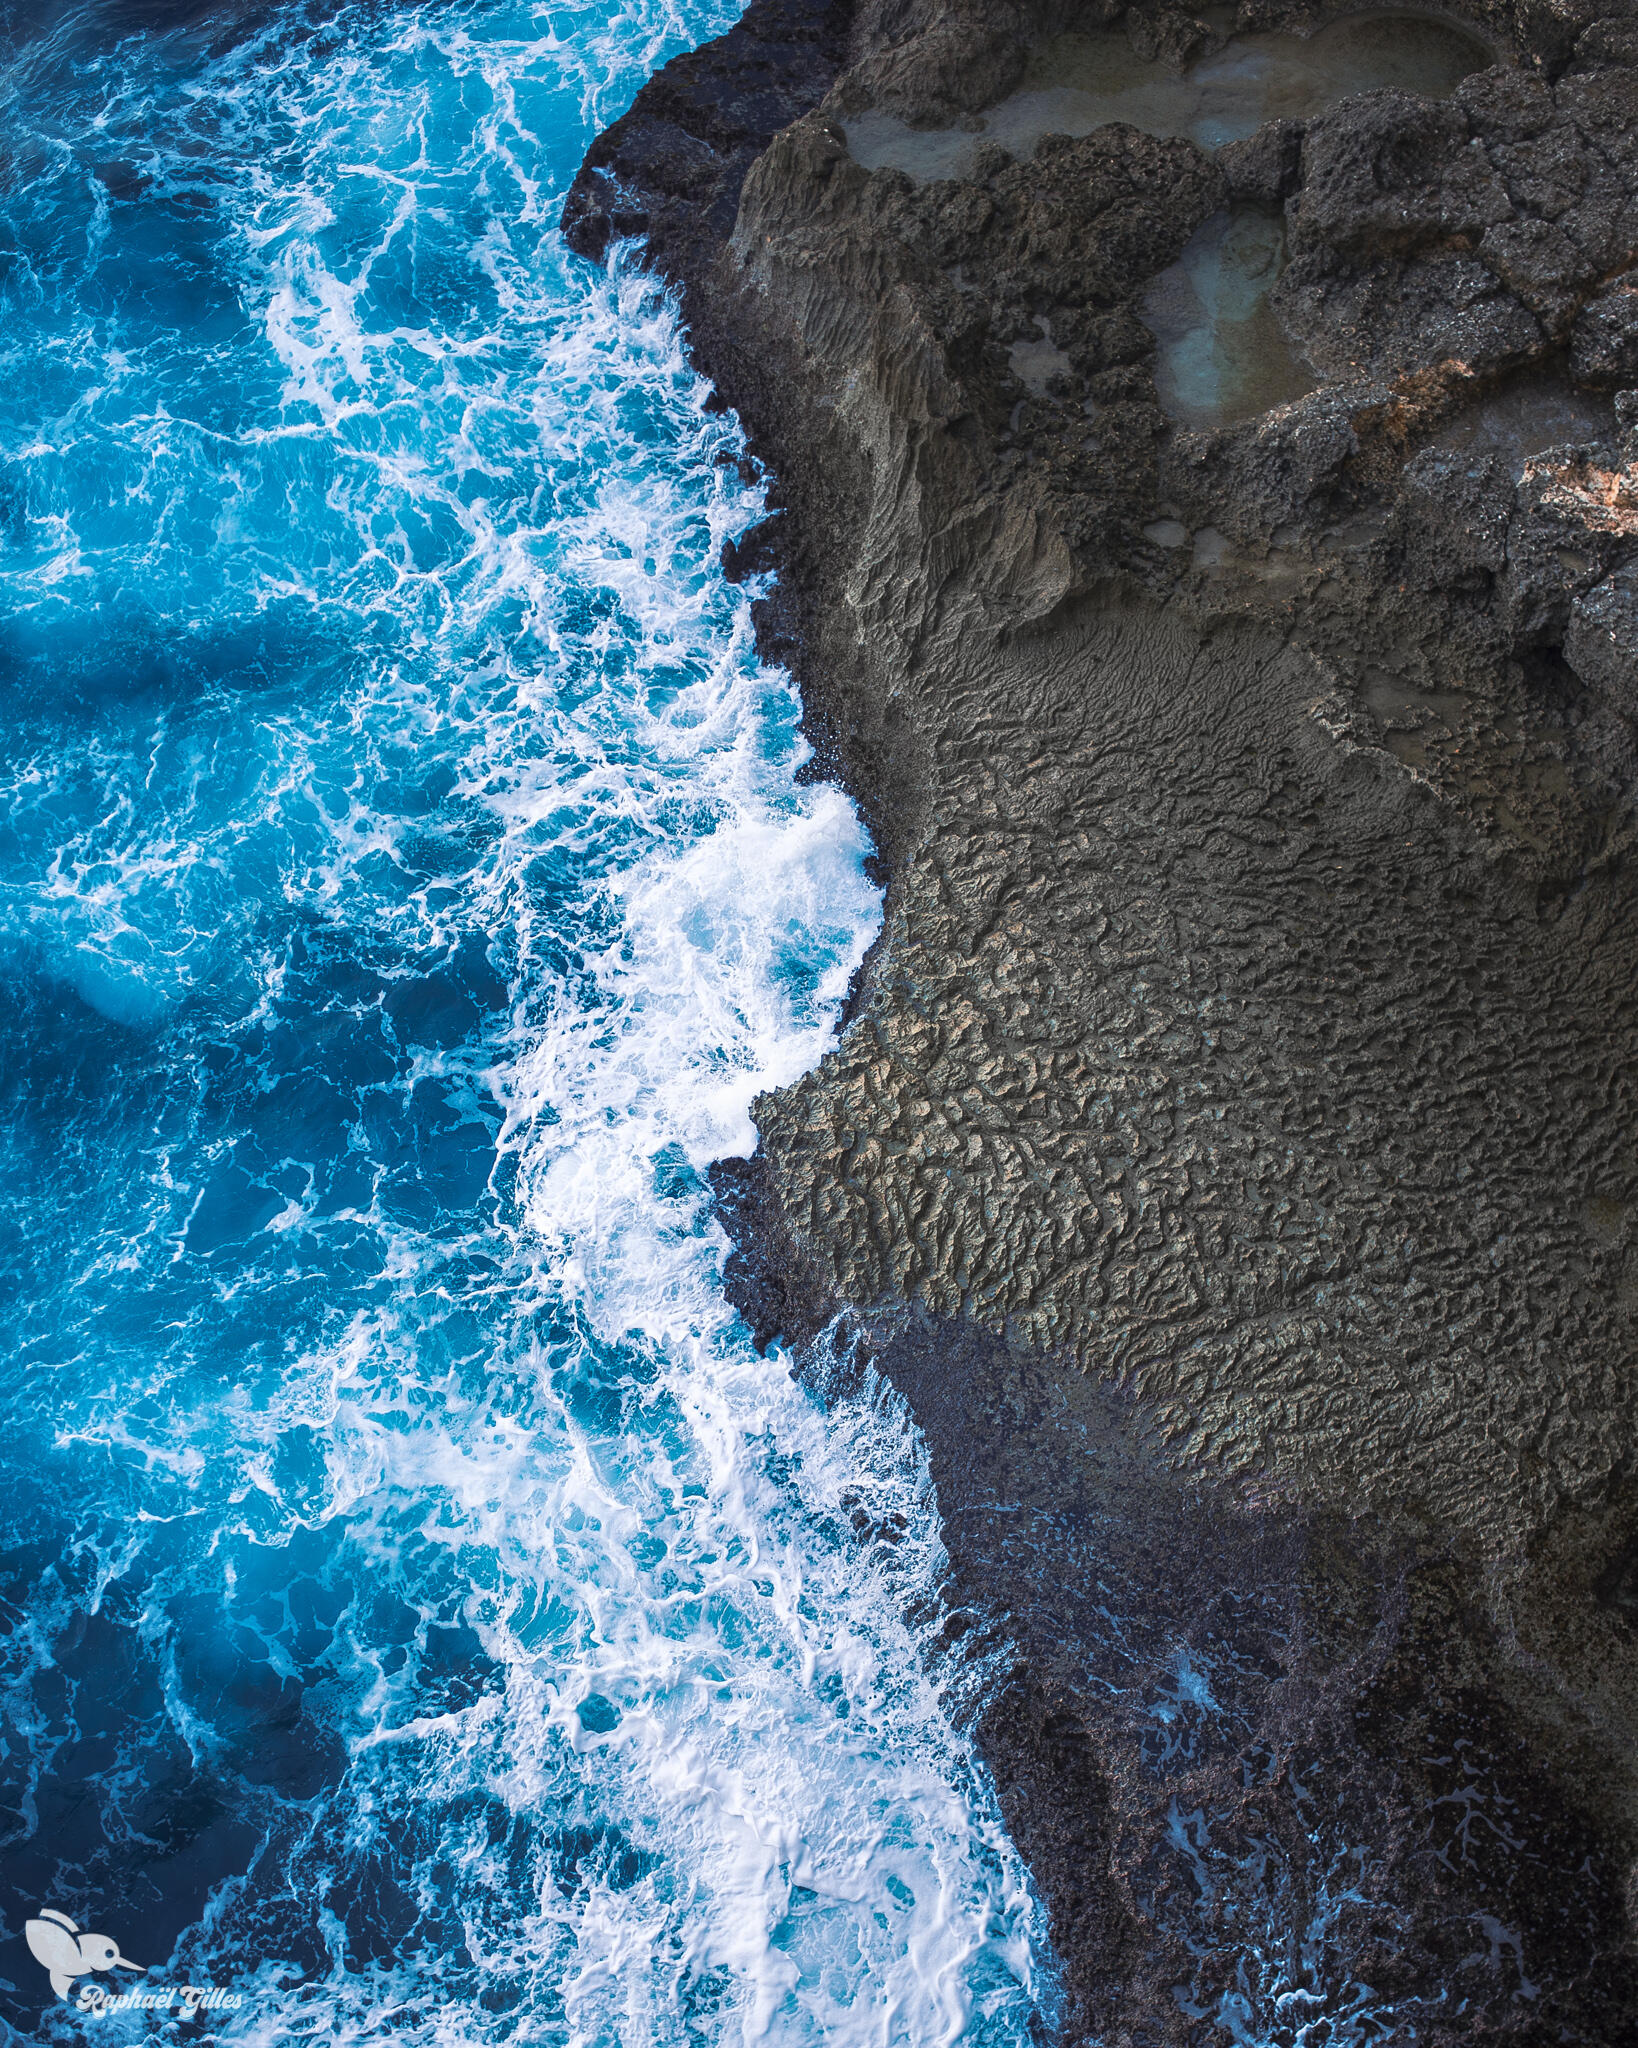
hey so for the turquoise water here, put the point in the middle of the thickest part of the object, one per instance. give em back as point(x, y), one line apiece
point(424, 1613)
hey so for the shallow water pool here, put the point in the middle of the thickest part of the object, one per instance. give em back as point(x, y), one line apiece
point(1223, 356)
point(1080, 82)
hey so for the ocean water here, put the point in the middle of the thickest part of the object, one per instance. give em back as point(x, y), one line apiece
point(424, 1614)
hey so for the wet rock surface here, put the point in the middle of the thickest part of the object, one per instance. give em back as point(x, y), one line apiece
point(1231, 1149)
point(1272, 1769)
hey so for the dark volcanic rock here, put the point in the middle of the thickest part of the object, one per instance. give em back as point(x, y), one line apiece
point(1230, 1148)
point(1224, 1728)
point(1602, 642)
point(671, 169)
point(1604, 346)
point(1266, 168)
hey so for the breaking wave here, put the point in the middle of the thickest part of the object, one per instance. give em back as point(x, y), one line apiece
point(425, 1612)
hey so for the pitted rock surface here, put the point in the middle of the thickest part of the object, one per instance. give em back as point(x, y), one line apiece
point(1253, 1020)
point(1205, 1051)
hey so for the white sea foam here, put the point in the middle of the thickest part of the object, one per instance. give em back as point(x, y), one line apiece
point(683, 1774)
point(823, 1845)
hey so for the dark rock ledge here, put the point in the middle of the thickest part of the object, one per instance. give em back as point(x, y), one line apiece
point(1231, 1150)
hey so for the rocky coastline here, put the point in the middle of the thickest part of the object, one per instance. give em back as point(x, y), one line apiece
point(1230, 1152)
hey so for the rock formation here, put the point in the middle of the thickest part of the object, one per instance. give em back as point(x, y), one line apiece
point(1231, 1149)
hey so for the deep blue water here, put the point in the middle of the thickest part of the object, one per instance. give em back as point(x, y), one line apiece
point(424, 1614)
